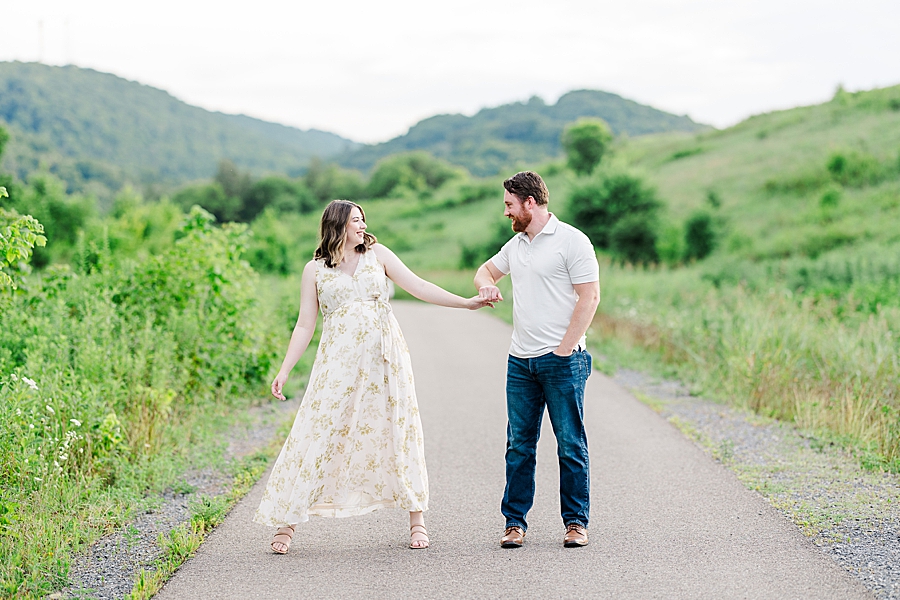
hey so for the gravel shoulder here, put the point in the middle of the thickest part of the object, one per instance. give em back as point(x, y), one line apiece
point(107, 571)
point(851, 515)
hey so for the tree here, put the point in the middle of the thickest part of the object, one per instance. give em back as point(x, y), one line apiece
point(699, 236)
point(329, 182)
point(633, 238)
point(416, 171)
point(585, 142)
point(598, 206)
point(234, 182)
point(212, 198)
point(283, 195)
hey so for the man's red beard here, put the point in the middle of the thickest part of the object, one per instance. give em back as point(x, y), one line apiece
point(520, 224)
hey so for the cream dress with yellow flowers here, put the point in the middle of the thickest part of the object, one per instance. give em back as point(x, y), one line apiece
point(356, 444)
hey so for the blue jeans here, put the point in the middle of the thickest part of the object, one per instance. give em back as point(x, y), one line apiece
point(556, 382)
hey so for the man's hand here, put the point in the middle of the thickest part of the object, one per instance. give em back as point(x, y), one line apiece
point(560, 351)
point(490, 293)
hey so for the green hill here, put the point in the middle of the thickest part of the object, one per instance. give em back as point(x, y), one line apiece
point(97, 131)
point(797, 182)
point(522, 132)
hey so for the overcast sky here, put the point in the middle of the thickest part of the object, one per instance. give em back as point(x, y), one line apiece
point(369, 70)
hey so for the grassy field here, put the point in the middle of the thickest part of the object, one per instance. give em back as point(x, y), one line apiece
point(123, 369)
point(797, 311)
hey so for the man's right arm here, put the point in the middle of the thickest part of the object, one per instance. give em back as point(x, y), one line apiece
point(486, 279)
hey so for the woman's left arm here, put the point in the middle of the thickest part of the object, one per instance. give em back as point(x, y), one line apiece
point(426, 291)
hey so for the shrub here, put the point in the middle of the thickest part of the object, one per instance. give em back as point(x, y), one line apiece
point(854, 169)
point(18, 237)
point(633, 238)
point(699, 236)
point(212, 198)
point(62, 216)
point(416, 171)
point(476, 254)
point(278, 193)
point(597, 207)
point(670, 244)
point(330, 182)
point(831, 197)
point(585, 142)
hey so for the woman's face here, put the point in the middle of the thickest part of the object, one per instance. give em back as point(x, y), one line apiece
point(355, 228)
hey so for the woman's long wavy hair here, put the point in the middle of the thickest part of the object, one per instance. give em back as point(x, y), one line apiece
point(333, 232)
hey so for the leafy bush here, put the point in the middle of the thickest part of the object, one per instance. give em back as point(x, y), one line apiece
point(212, 198)
point(596, 207)
point(670, 244)
point(330, 182)
point(831, 197)
point(416, 171)
point(699, 236)
point(62, 216)
point(282, 243)
point(633, 238)
point(854, 169)
point(476, 254)
point(585, 142)
point(18, 237)
point(102, 372)
point(282, 195)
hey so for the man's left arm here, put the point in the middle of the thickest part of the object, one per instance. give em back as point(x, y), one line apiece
point(585, 307)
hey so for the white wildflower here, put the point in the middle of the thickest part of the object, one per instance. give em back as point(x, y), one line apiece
point(31, 383)
point(50, 410)
point(75, 422)
point(13, 377)
point(38, 479)
point(31, 426)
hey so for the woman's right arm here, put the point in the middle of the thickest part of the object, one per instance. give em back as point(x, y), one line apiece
point(303, 330)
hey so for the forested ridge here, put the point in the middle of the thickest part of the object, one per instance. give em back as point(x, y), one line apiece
point(520, 132)
point(97, 131)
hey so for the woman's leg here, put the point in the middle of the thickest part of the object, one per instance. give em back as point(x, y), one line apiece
point(418, 535)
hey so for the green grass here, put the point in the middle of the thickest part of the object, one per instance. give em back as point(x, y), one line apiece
point(794, 316)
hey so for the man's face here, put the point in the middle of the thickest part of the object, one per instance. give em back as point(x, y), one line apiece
point(517, 211)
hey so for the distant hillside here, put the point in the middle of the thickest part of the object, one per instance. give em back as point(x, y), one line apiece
point(522, 132)
point(97, 130)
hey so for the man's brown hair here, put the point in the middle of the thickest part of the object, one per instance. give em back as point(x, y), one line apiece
point(528, 183)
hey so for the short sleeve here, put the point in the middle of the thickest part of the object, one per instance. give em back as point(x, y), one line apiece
point(501, 259)
point(582, 261)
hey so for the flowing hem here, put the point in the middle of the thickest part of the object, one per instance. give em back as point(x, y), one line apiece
point(336, 511)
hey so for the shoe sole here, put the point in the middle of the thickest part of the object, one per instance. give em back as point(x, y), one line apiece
point(574, 544)
point(510, 545)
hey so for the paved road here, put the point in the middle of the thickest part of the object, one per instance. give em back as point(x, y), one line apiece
point(666, 521)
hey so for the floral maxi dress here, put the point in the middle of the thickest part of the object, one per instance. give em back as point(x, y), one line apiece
point(356, 444)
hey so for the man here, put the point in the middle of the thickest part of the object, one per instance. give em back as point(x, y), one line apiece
point(556, 290)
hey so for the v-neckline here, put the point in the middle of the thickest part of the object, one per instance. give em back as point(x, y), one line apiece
point(355, 271)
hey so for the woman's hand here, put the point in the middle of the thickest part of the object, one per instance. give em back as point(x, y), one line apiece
point(476, 302)
point(278, 385)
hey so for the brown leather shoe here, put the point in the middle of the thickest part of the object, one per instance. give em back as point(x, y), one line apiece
point(514, 537)
point(576, 536)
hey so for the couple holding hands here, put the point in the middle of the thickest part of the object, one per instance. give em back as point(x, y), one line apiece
point(356, 444)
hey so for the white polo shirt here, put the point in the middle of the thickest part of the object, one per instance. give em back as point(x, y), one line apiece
point(544, 272)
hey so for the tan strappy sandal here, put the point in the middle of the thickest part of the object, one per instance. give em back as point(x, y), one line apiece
point(283, 536)
point(422, 533)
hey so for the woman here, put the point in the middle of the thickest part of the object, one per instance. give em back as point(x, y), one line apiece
point(356, 444)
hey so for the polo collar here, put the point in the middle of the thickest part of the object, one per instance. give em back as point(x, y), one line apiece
point(549, 229)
